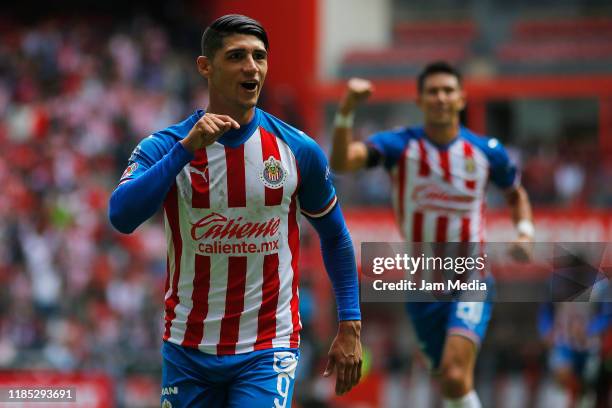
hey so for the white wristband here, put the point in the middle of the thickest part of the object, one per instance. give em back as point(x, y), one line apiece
point(526, 227)
point(344, 121)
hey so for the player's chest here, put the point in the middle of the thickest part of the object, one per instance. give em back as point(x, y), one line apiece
point(451, 170)
point(256, 175)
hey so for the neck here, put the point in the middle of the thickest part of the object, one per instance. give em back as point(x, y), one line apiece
point(242, 116)
point(443, 134)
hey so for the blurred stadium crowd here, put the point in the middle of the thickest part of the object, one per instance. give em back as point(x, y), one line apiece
point(75, 97)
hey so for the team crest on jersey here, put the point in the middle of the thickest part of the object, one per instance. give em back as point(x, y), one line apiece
point(129, 170)
point(273, 174)
point(470, 165)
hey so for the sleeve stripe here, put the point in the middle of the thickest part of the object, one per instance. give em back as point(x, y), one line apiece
point(324, 211)
point(125, 181)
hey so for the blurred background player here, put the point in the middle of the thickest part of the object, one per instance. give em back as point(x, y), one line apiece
point(439, 173)
point(578, 336)
point(230, 180)
point(563, 326)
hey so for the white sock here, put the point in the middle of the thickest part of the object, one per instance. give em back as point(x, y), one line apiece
point(469, 400)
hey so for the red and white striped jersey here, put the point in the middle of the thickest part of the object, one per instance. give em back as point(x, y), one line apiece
point(232, 231)
point(439, 191)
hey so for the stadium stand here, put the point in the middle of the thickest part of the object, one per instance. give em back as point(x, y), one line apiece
point(414, 43)
point(561, 45)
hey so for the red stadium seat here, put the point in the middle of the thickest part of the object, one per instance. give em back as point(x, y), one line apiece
point(407, 55)
point(564, 41)
point(414, 44)
point(439, 31)
point(567, 28)
point(555, 50)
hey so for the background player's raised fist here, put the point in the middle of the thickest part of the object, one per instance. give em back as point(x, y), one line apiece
point(207, 130)
point(359, 89)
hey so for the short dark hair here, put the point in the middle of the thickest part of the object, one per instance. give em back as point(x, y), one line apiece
point(212, 39)
point(437, 67)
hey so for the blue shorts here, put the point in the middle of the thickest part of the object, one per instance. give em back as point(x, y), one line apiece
point(565, 356)
point(263, 378)
point(433, 321)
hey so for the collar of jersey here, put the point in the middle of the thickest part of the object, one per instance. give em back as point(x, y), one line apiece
point(438, 145)
point(236, 137)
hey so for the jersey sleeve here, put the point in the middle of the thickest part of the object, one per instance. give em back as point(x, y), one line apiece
point(389, 145)
point(148, 152)
point(151, 170)
point(339, 259)
point(316, 194)
point(504, 173)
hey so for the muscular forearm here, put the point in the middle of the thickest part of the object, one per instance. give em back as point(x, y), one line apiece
point(521, 214)
point(342, 138)
point(519, 205)
point(342, 135)
point(346, 154)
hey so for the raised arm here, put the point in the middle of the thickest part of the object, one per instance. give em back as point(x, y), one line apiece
point(347, 154)
point(153, 168)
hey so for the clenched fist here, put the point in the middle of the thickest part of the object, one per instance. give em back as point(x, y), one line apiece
point(358, 90)
point(207, 130)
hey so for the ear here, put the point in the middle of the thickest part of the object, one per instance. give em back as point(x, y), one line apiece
point(204, 66)
point(463, 99)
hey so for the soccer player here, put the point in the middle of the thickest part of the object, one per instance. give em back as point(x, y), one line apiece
point(233, 180)
point(576, 333)
point(439, 173)
point(564, 327)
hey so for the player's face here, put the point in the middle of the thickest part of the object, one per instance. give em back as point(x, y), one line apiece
point(237, 72)
point(441, 99)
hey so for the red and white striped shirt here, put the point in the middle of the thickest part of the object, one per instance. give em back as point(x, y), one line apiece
point(439, 191)
point(232, 230)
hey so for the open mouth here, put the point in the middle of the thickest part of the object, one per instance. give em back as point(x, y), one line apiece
point(249, 85)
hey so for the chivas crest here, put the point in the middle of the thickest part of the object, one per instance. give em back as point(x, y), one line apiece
point(470, 165)
point(273, 174)
point(129, 170)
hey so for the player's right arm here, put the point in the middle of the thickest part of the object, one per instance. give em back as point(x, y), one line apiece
point(153, 168)
point(208, 130)
point(348, 154)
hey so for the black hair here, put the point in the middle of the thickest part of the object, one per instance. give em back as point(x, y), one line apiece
point(436, 68)
point(212, 39)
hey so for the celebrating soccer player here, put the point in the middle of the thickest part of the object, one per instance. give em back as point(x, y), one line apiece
point(439, 172)
point(233, 180)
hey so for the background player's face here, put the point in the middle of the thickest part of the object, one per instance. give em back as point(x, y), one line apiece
point(236, 72)
point(441, 99)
